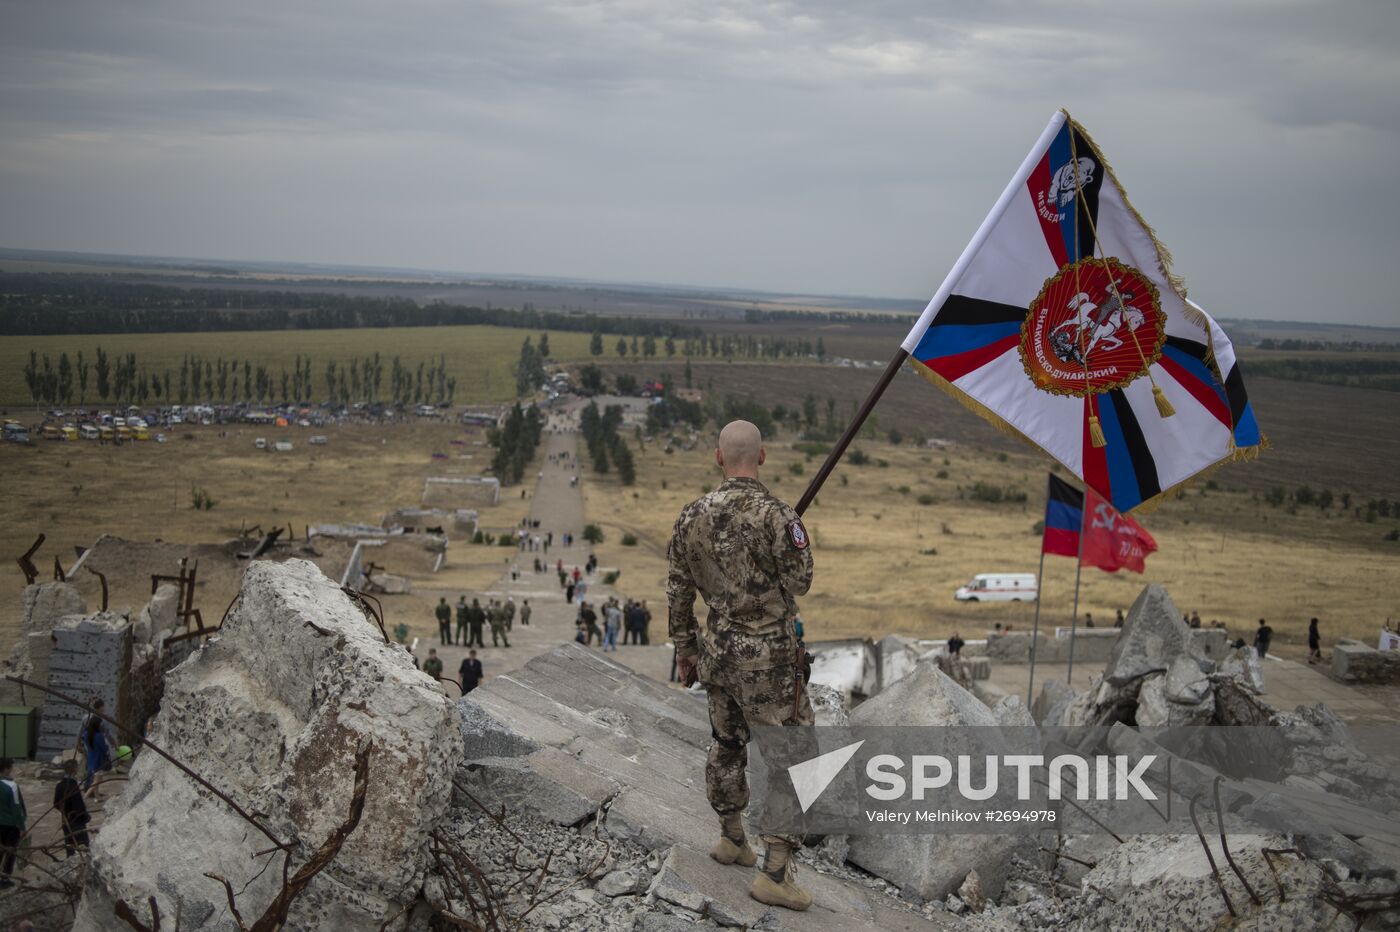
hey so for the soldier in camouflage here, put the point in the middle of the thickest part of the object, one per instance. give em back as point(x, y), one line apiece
point(748, 555)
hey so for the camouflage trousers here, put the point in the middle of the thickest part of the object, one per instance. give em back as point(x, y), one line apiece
point(739, 701)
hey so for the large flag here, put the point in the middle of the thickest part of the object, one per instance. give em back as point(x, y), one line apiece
point(1062, 323)
point(1113, 541)
point(1064, 517)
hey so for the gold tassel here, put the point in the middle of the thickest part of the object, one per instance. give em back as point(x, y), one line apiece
point(1164, 407)
point(1096, 432)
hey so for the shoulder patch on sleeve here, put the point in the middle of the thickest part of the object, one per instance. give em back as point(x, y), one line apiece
point(797, 534)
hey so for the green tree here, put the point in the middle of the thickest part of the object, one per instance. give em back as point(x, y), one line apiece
point(31, 375)
point(670, 346)
point(544, 346)
point(65, 378)
point(626, 468)
point(689, 376)
point(595, 344)
point(83, 367)
point(104, 375)
point(622, 346)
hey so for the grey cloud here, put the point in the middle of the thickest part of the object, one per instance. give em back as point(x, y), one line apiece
point(786, 145)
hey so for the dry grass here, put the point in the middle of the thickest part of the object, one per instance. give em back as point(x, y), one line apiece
point(73, 492)
point(888, 564)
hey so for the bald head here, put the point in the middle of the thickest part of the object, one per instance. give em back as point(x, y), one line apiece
point(740, 451)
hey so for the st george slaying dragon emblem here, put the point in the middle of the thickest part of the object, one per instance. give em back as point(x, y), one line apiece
point(1096, 325)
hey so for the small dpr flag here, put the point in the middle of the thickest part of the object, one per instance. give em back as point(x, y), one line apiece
point(1062, 323)
point(1064, 516)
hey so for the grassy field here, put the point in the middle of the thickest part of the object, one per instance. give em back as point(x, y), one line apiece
point(73, 492)
point(1342, 438)
point(887, 563)
point(480, 358)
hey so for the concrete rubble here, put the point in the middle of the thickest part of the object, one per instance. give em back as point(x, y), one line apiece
point(933, 865)
point(580, 742)
point(575, 788)
point(1355, 662)
point(273, 711)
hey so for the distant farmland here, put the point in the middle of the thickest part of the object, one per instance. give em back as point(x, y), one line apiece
point(482, 359)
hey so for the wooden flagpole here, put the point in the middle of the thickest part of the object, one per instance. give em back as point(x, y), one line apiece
point(852, 429)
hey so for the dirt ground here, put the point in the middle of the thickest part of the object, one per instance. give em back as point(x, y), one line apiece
point(885, 563)
point(75, 492)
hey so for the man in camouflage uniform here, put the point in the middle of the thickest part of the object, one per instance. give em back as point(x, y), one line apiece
point(496, 615)
point(748, 555)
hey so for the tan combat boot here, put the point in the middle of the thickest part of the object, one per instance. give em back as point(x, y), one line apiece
point(776, 884)
point(733, 847)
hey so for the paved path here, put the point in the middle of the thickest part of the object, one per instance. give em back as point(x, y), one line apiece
point(558, 506)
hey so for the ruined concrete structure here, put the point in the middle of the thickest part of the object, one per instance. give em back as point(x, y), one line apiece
point(574, 787)
point(273, 711)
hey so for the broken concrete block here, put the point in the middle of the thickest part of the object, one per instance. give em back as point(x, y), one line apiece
point(273, 710)
point(1049, 707)
point(971, 892)
point(552, 784)
point(1155, 710)
point(1152, 637)
point(933, 865)
point(622, 883)
point(389, 583)
point(90, 659)
point(1167, 882)
point(1014, 647)
point(1242, 665)
point(927, 696)
point(895, 657)
point(41, 607)
point(160, 617)
point(827, 705)
point(1355, 662)
point(484, 736)
point(1210, 643)
point(1186, 682)
point(1011, 711)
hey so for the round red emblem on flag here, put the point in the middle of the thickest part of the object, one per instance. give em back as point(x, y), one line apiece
point(1096, 324)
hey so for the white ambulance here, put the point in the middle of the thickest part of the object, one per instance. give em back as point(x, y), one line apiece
point(999, 587)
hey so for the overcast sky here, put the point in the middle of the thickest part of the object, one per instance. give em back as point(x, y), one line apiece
point(834, 147)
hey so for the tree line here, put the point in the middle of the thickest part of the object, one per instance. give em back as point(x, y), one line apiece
point(33, 304)
point(121, 379)
point(606, 448)
point(515, 441)
point(717, 346)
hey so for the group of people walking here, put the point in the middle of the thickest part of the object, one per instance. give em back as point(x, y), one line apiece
point(629, 618)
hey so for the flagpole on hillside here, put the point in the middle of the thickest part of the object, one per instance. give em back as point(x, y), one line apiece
point(852, 429)
point(1074, 617)
point(1035, 625)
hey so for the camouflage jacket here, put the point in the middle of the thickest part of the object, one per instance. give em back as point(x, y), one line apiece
point(748, 556)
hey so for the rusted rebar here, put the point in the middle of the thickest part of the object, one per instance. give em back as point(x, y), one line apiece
point(1215, 872)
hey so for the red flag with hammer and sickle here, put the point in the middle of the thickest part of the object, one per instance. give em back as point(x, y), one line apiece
point(1113, 541)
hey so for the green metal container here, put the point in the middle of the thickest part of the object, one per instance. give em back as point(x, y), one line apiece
point(19, 731)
